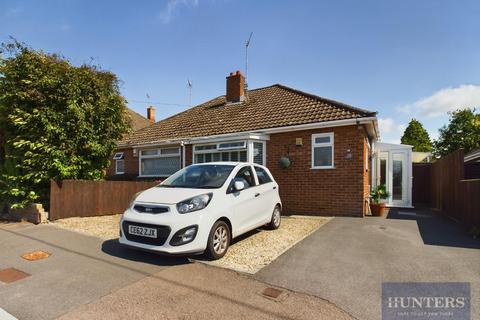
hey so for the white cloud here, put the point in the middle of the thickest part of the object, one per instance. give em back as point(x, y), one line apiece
point(388, 125)
point(172, 6)
point(444, 100)
point(390, 130)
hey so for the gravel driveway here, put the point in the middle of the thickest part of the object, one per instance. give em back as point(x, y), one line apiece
point(248, 253)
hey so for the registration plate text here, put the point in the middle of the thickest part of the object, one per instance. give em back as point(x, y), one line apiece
point(142, 231)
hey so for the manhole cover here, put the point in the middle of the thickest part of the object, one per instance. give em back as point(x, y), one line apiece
point(272, 293)
point(11, 274)
point(35, 255)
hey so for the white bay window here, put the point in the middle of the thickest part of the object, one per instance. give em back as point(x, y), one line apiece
point(236, 151)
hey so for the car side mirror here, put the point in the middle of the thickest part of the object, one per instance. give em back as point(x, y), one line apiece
point(239, 185)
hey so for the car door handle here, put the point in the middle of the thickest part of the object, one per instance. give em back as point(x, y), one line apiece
point(274, 187)
point(257, 194)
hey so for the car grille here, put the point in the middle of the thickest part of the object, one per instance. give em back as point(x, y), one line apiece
point(150, 209)
point(162, 233)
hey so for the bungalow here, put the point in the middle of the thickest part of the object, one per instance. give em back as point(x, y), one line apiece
point(318, 150)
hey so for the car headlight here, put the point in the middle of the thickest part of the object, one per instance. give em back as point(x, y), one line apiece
point(133, 199)
point(195, 203)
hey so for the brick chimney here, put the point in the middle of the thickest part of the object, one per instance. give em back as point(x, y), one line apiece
point(151, 114)
point(235, 87)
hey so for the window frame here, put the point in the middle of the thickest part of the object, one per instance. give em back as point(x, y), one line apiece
point(157, 155)
point(247, 146)
point(331, 144)
point(266, 172)
point(116, 166)
point(251, 148)
point(254, 176)
point(118, 156)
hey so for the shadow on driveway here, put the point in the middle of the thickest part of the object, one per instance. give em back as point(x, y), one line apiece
point(435, 229)
point(114, 248)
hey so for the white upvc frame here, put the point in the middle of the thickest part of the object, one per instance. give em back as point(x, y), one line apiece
point(217, 150)
point(116, 166)
point(248, 148)
point(119, 157)
point(331, 143)
point(389, 150)
point(156, 156)
point(250, 151)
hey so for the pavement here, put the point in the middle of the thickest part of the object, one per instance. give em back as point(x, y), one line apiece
point(198, 291)
point(80, 269)
point(88, 278)
point(346, 261)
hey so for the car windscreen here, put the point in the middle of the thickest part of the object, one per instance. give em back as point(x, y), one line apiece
point(206, 176)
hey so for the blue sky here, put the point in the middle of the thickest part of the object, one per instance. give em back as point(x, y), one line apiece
point(404, 59)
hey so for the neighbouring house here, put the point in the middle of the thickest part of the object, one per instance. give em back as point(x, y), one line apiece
point(137, 121)
point(472, 164)
point(421, 157)
point(329, 145)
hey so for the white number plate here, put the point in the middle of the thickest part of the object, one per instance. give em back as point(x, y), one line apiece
point(142, 231)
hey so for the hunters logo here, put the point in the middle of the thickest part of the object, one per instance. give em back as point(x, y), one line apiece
point(426, 301)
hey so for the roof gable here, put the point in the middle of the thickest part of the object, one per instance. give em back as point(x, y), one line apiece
point(137, 121)
point(268, 107)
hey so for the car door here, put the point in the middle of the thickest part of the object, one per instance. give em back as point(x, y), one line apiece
point(245, 203)
point(267, 190)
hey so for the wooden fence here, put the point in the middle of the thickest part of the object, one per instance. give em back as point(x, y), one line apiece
point(83, 198)
point(421, 173)
point(451, 194)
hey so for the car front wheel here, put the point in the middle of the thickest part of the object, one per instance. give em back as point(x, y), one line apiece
point(218, 240)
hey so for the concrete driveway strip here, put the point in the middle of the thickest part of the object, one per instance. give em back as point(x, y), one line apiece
point(197, 291)
point(346, 261)
point(80, 269)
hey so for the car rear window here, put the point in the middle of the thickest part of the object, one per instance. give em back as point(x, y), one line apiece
point(263, 176)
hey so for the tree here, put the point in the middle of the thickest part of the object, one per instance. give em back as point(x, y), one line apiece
point(416, 136)
point(57, 121)
point(462, 132)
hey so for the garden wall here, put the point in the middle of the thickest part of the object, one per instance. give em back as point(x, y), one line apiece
point(84, 198)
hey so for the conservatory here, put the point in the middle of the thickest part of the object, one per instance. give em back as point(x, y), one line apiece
point(392, 167)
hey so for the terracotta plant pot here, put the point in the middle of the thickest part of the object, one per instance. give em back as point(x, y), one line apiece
point(377, 209)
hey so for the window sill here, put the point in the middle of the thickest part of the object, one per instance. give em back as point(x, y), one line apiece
point(154, 176)
point(322, 168)
point(119, 173)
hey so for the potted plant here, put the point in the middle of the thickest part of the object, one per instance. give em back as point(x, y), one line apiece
point(377, 206)
point(284, 162)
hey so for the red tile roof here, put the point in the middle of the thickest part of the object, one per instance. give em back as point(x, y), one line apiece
point(269, 107)
point(137, 121)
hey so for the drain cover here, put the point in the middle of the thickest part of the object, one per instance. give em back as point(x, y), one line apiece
point(11, 274)
point(272, 293)
point(35, 255)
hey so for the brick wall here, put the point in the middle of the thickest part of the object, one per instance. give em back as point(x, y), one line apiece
point(338, 191)
point(188, 155)
point(131, 166)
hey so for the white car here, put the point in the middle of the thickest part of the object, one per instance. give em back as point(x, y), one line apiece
point(201, 208)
